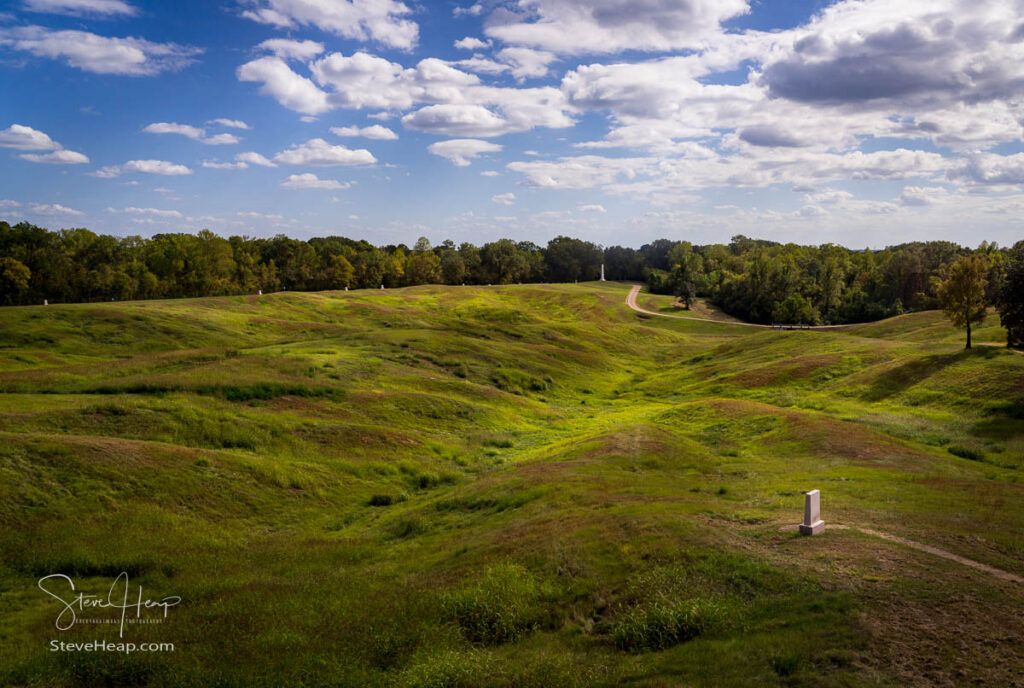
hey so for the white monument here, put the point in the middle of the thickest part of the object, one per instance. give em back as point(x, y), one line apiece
point(346, 288)
point(382, 286)
point(45, 302)
point(812, 525)
point(602, 272)
point(259, 292)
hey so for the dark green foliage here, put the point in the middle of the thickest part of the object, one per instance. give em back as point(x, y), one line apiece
point(662, 624)
point(1010, 301)
point(501, 607)
point(966, 452)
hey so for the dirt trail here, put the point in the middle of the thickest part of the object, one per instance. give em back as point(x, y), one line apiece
point(631, 302)
point(991, 570)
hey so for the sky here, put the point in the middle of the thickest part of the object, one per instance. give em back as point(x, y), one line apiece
point(865, 123)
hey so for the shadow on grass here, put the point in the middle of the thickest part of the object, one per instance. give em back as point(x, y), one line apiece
point(905, 376)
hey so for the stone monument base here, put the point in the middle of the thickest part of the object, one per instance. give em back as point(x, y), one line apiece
point(816, 528)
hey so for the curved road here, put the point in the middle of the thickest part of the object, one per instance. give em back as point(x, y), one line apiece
point(631, 302)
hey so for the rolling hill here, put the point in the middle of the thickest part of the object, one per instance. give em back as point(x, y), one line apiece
point(509, 486)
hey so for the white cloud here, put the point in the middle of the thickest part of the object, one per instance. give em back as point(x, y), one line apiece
point(9, 204)
point(474, 10)
point(156, 212)
point(462, 151)
point(311, 181)
point(57, 157)
point(54, 209)
point(292, 90)
point(26, 138)
point(527, 62)
point(490, 173)
point(990, 169)
point(100, 54)
point(21, 137)
point(142, 166)
point(504, 199)
point(457, 103)
point(212, 164)
point(230, 123)
point(922, 195)
point(470, 43)
point(592, 208)
point(80, 7)
point(610, 26)
point(194, 133)
point(292, 50)
point(254, 159)
point(319, 153)
point(362, 20)
point(374, 131)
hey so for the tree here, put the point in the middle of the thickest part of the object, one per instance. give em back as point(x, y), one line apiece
point(14, 278)
point(962, 294)
point(1010, 302)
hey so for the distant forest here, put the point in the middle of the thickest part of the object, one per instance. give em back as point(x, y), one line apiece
point(757, 280)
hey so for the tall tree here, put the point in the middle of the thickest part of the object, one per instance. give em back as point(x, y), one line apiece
point(962, 294)
point(1010, 302)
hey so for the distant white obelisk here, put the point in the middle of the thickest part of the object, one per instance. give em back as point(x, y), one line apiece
point(602, 272)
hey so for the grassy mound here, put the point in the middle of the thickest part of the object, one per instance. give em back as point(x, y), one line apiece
point(508, 486)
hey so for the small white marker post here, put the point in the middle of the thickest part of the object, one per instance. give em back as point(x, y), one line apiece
point(602, 272)
point(812, 525)
point(259, 292)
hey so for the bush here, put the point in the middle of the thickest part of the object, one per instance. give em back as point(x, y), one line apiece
point(965, 452)
point(501, 607)
point(663, 625)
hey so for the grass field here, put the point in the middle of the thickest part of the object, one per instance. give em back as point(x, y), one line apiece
point(508, 486)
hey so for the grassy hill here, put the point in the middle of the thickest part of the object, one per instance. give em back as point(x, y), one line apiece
point(507, 486)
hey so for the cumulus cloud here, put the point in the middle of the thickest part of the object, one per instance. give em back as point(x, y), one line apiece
point(99, 54)
point(54, 209)
point(462, 151)
point(292, 90)
point(292, 50)
point(592, 208)
point(990, 169)
point(526, 62)
point(81, 7)
point(470, 43)
point(456, 102)
point(504, 199)
point(144, 167)
point(57, 157)
point(609, 26)
point(156, 212)
point(374, 131)
point(20, 137)
point(319, 153)
point(311, 181)
point(26, 138)
point(7, 203)
point(363, 20)
point(230, 123)
point(922, 195)
point(194, 133)
point(253, 158)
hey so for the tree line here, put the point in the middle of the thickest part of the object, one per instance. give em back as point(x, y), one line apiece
point(756, 280)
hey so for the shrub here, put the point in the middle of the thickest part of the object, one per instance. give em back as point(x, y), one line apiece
point(501, 607)
point(663, 625)
point(965, 452)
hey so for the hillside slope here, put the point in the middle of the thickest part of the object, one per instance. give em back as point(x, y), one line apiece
point(521, 486)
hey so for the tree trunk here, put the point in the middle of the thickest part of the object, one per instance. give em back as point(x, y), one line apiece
point(968, 336)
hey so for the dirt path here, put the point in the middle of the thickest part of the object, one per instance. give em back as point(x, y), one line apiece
point(991, 570)
point(631, 302)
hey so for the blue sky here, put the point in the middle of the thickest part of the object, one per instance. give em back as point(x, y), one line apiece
point(861, 122)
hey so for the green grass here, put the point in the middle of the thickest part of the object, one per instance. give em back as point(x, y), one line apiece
point(508, 486)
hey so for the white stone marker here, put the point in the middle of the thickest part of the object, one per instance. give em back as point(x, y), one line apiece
point(812, 525)
point(259, 292)
point(45, 302)
point(602, 272)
